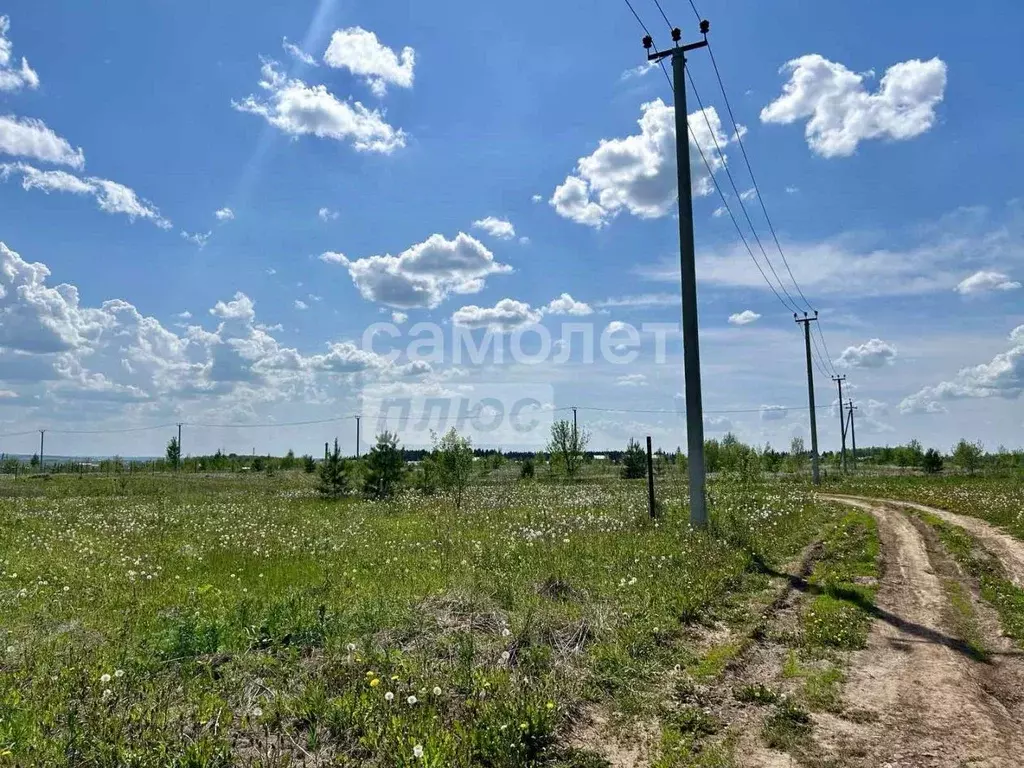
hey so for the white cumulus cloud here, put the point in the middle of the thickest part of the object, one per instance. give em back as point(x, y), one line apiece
point(1003, 377)
point(423, 275)
point(746, 317)
point(299, 109)
point(774, 412)
point(631, 380)
point(873, 353)
point(984, 281)
point(506, 315)
point(495, 227)
point(359, 51)
point(638, 173)
point(326, 214)
point(110, 196)
point(841, 113)
point(224, 214)
point(13, 75)
point(27, 137)
point(567, 305)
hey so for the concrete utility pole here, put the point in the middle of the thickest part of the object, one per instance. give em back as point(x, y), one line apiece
point(853, 434)
point(180, 454)
point(42, 463)
point(574, 433)
point(688, 275)
point(842, 422)
point(357, 436)
point(815, 477)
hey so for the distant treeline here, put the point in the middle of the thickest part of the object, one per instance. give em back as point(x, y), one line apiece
point(726, 454)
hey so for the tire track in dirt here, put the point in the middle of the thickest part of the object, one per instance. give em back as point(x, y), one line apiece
point(917, 686)
point(1008, 549)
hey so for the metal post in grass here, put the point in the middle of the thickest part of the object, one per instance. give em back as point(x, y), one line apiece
point(651, 509)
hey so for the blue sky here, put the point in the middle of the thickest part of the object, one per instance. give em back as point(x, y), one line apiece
point(351, 159)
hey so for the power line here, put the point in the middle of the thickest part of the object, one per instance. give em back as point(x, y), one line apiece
point(792, 306)
point(828, 355)
point(679, 412)
point(753, 180)
point(732, 217)
point(648, 33)
point(757, 191)
point(662, 12)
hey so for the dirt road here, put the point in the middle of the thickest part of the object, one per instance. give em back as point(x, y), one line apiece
point(1008, 549)
point(919, 691)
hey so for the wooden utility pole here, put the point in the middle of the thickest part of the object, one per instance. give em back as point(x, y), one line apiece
point(357, 436)
point(688, 276)
point(651, 510)
point(806, 321)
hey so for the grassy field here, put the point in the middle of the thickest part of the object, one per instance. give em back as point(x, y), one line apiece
point(998, 499)
point(233, 620)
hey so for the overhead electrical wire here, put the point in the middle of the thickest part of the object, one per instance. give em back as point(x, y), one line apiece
point(760, 198)
point(792, 305)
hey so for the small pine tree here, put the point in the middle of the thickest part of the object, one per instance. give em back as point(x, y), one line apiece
point(526, 469)
point(634, 461)
point(384, 467)
point(35, 460)
point(308, 464)
point(333, 481)
point(288, 462)
point(932, 461)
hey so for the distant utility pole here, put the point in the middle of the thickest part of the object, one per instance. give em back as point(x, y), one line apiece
point(853, 433)
point(652, 509)
point(574, 433)
point(179, 446)
point(688, 275)
point(42, 434)
point(357, 436)
point(806, 321)
point(842, 421)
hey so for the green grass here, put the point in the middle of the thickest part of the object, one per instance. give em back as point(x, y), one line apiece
point(787, 727)
point(843, 584)
point(996, 587)
point(998, 499)
point(243, 621)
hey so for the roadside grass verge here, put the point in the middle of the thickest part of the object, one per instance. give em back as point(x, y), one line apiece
point(995, 586)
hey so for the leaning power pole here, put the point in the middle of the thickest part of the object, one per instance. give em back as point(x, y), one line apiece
point(853, 433)
point(806, 321)
point(842, 421)
point(688, 275)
